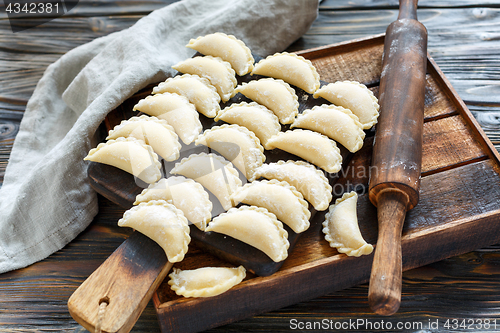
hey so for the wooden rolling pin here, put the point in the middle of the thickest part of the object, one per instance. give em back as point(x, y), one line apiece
point(397, 153)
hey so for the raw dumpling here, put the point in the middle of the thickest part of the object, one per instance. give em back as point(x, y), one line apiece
point(291, 68)
point(213, 172)
point(308, 180)
point(279, 198)
point(335, 122)
point(311, 146)
point(153, 131)
point(198, 90)
point(176, 110)
point(130, 155)
point(185, 194)
point(341, 227)
point(217, 71)
point(226, 47)
point(256, 227)
point(353, 96)
point(237, 144)
point(163, 223)
point(206, 281)
point(257, 118)
point(276, 95)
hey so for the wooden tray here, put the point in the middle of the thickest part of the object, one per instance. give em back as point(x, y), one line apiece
point(458, 212)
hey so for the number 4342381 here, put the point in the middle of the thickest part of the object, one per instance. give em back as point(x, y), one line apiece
point(32, 8)
point(471, 324)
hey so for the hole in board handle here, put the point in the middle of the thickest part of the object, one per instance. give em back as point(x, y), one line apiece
point(104, 300)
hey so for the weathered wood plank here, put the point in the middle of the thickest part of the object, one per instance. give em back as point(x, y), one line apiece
point(449, 142)
point(111, 7)
point(332, 67)
point(9, 126)
point(455, 36)
point(489, 118)
point(103, 7)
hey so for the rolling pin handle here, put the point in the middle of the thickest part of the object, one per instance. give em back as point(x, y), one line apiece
point(384, 293)
point(407, 9)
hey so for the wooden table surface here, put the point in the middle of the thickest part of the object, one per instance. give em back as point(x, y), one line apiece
point(464, 40)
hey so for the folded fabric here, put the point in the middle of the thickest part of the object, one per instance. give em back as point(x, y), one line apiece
point(46, 200)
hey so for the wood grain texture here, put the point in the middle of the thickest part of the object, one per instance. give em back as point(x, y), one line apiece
point(125, 283)
point(464, 39)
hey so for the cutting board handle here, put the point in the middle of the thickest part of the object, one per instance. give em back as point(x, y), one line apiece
point(121, 287)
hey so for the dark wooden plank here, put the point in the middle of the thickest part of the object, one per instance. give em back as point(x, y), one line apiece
point(9, 126)
point(455, 36)
point(437, 103)
point(464, 112)
point(105, 7)
point(113, 7)
point(361, 61)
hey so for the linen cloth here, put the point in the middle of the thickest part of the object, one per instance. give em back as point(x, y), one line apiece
point(46, 200)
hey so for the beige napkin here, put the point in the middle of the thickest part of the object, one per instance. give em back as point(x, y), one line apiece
point(46, 200)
